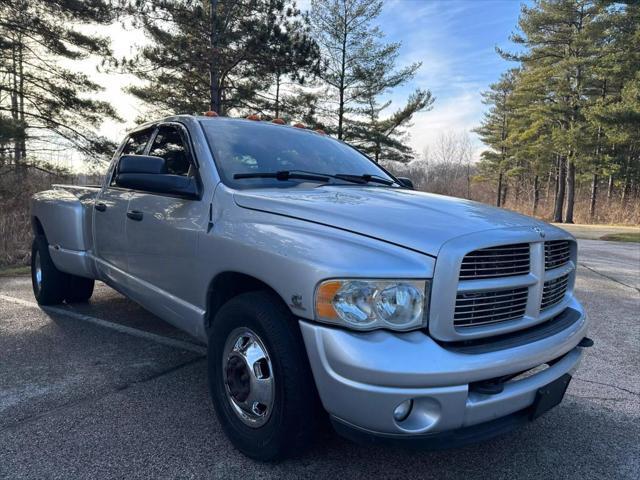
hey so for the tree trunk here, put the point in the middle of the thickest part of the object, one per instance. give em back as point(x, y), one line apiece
point(594, 194)
point(536, 195)
point(571, 191)
point(23, 137)
point(560, 184)
point(14, 101)
point(547, 194)
point(625, 190)
point(499, 199)
point(277, 106)
point(610, 188)
point(215, 97)
point(343, 69)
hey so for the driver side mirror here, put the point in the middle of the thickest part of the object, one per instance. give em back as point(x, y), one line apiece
point(149, 174)
point(406, 182)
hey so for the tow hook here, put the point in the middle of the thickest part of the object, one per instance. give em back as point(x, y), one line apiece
point(586, 342)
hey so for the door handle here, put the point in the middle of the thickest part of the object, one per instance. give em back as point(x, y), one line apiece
point(101, 207)
point(135, 215)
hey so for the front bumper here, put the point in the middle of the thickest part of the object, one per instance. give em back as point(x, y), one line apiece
point(363, 377)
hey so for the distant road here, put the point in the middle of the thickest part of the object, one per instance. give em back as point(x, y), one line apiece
point(595, 232)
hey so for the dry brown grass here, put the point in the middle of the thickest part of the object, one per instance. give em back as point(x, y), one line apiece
point(15, 227)
point(460, 180)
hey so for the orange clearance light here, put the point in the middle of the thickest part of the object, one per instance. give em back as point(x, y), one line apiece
point(210, 113)
point(320, 131)
point(253, 116)
point(299, 125)
point(278, 121)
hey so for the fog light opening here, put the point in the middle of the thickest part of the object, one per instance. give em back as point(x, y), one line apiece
point(403, 410)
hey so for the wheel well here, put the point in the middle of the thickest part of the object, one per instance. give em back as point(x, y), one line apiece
point(227, 285)
point(36, 227)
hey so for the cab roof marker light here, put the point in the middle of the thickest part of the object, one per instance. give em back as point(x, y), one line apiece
point(320, 131)
point(254, 117)
point(299, 125)
point(210, 113)
point(278, 121)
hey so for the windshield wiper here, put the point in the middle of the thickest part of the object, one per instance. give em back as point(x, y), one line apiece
point(365, 178)
point(284, 175)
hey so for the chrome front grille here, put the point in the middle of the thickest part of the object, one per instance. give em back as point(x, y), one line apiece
point(556, 253)
point(512, 282)
point(494, 262)
point(554, 291)
point(483, 308)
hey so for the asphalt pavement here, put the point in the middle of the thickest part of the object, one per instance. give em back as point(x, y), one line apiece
point(107, 390)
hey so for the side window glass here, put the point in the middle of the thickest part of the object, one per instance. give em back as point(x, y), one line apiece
point(136, 143)
point(170, 145)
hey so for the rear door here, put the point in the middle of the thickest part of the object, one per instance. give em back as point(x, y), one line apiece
point(110, 213)
point(162, 230)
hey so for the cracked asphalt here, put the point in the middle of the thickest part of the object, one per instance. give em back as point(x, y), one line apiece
point(78, 400)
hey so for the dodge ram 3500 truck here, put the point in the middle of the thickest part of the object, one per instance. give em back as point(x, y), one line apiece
point(321, 283)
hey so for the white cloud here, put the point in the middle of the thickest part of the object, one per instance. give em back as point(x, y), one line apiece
point(457, 114)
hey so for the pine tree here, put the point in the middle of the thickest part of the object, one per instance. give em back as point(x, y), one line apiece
point(221, 55)
point(385, 138)
point(359, 69)
point(370, 130)
point(494, 131)
point(290, 60)
point(560, 38)
point(348, 40)
point(43, 104)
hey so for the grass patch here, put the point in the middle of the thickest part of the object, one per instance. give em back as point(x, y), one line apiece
point(623, 237)
point(14, 271)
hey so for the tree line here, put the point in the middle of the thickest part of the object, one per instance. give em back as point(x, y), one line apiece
point(565, 119)
point(568, 114)
point(330, 68)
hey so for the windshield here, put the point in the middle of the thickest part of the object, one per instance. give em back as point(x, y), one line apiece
point(240, 147)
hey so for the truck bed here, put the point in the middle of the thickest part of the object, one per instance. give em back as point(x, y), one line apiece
point(65, 213)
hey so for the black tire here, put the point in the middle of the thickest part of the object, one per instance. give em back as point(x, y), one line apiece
point(80, 289)
point(51, 287)
point(293, 421)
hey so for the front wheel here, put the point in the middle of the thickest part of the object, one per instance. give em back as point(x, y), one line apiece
point(259, 377)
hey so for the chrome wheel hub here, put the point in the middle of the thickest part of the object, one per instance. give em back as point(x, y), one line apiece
point(248, 377)
point(37, 271)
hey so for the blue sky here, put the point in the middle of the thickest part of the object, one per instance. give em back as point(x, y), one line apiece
point(454, 39)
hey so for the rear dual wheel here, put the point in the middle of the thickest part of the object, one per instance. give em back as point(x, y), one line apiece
point(50, 285)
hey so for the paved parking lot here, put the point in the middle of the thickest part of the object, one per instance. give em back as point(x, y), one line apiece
point(107, 390)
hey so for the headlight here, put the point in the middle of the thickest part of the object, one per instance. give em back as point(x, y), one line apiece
point(371, 304)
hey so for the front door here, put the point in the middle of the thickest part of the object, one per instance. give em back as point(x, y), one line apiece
point(162, 230)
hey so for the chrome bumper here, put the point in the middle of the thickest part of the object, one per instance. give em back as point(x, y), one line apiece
point(363, 377)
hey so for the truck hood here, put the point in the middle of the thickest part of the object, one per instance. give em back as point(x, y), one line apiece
point(416, 220)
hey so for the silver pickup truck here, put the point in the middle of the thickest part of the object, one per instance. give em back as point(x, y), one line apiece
point(323, 285)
